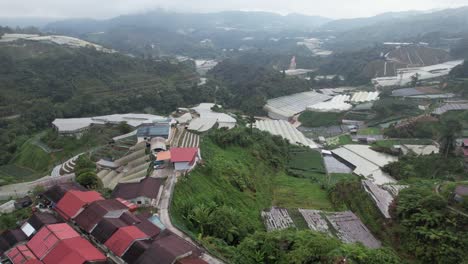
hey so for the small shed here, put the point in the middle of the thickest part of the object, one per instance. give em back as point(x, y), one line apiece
point(460, 193)
point(23, 202)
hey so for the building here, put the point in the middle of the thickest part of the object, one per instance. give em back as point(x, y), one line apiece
point(142, 193)
point(55, 244)
point(461, 193)
point(285, 107)
point(11, 238)
point(37, 221)
point(160, 129)
point(123, 239)
point(464, 149)
point(92, 214)
point(73, 203)
point(185, 159)
point(77, 126)
point(209, 118)
point(56, 192)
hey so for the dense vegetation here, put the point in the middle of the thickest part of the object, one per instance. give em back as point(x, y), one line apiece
point(242, 174)
point(40, 82)
point(247, 86)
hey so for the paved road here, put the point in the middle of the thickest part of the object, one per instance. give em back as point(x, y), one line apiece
point(164, 205)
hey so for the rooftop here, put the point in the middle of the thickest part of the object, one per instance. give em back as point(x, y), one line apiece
point(73, 201)
point(47, 238)
point(91, 215)
point(121, 240)
point(462, 190)
point(183, 154)
point(147, 187)
point(75, 250)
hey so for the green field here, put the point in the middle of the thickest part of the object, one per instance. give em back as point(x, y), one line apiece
point(318, 119)
point(370, 131)
point(12, 173)
point(338, 141)
point(305, 160)
point(291, 192)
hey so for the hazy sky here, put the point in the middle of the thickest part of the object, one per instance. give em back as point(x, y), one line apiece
point(110, 8)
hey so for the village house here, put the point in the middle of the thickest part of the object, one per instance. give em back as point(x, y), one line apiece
point(142, 193)
point(184, 159)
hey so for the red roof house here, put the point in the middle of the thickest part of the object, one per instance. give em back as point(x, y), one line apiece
point(184, 159)
point(74, 201)
point(121, 240)
point(22, 255)
point(183, 154)
point(75, 250)
point(48, 237)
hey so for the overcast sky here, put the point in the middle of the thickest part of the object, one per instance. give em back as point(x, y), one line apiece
point(110, 8)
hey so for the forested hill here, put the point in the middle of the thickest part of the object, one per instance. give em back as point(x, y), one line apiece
point(246, 85)
point(40, 82)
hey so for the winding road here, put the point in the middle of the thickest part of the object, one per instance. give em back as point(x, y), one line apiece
point(164, 206)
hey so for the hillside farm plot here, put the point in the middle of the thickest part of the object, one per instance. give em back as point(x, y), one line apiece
point(14, 173)
point(291, 192)
point(277, 219)
point(350, 229)
point(315, 220)
point(303, 160)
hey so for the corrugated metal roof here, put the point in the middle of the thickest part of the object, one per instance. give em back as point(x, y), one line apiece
point(75, 250)
point(121, 240)
point(183, 154)
point(73, 201)
point(48, 237)
point(293, 104)
point(148, 187)
point(20, 255)
point(92, 214)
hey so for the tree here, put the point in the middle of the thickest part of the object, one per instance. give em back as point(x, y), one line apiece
point(450, 128)
point(414, 80)
point(89, 180)
point(124, 128)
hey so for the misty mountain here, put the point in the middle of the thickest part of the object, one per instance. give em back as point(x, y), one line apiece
point(353, 23)
point(229, 20)
point(427, 27)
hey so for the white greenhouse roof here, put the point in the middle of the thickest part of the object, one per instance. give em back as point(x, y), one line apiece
point(336, 104)
point(288, 106)
point(368, 162)
point(286, 130)
point(360, 97)
point(76, 124)
point(405, 75)
point(208, 118)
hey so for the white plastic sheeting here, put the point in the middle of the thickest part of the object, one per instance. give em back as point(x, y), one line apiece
point(367, 162)
point(287, 106)
point(360, 97)
point(76, 124)
point(336, 104)
point(286, 130)
point(208, 118)
point(404, 76)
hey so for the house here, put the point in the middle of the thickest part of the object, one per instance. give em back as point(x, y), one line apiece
point(106, 227)
point(11, 238)
point(91, 215)
point(142, 193)
point(23, 202)
point(37, 221)
point(57, 192)
point(167, 249)
point(73, 202)
point(160, 129)
point(460, 193)
point(123, 238)
point(184, 159)
point(54, 244)
point(158, 144)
